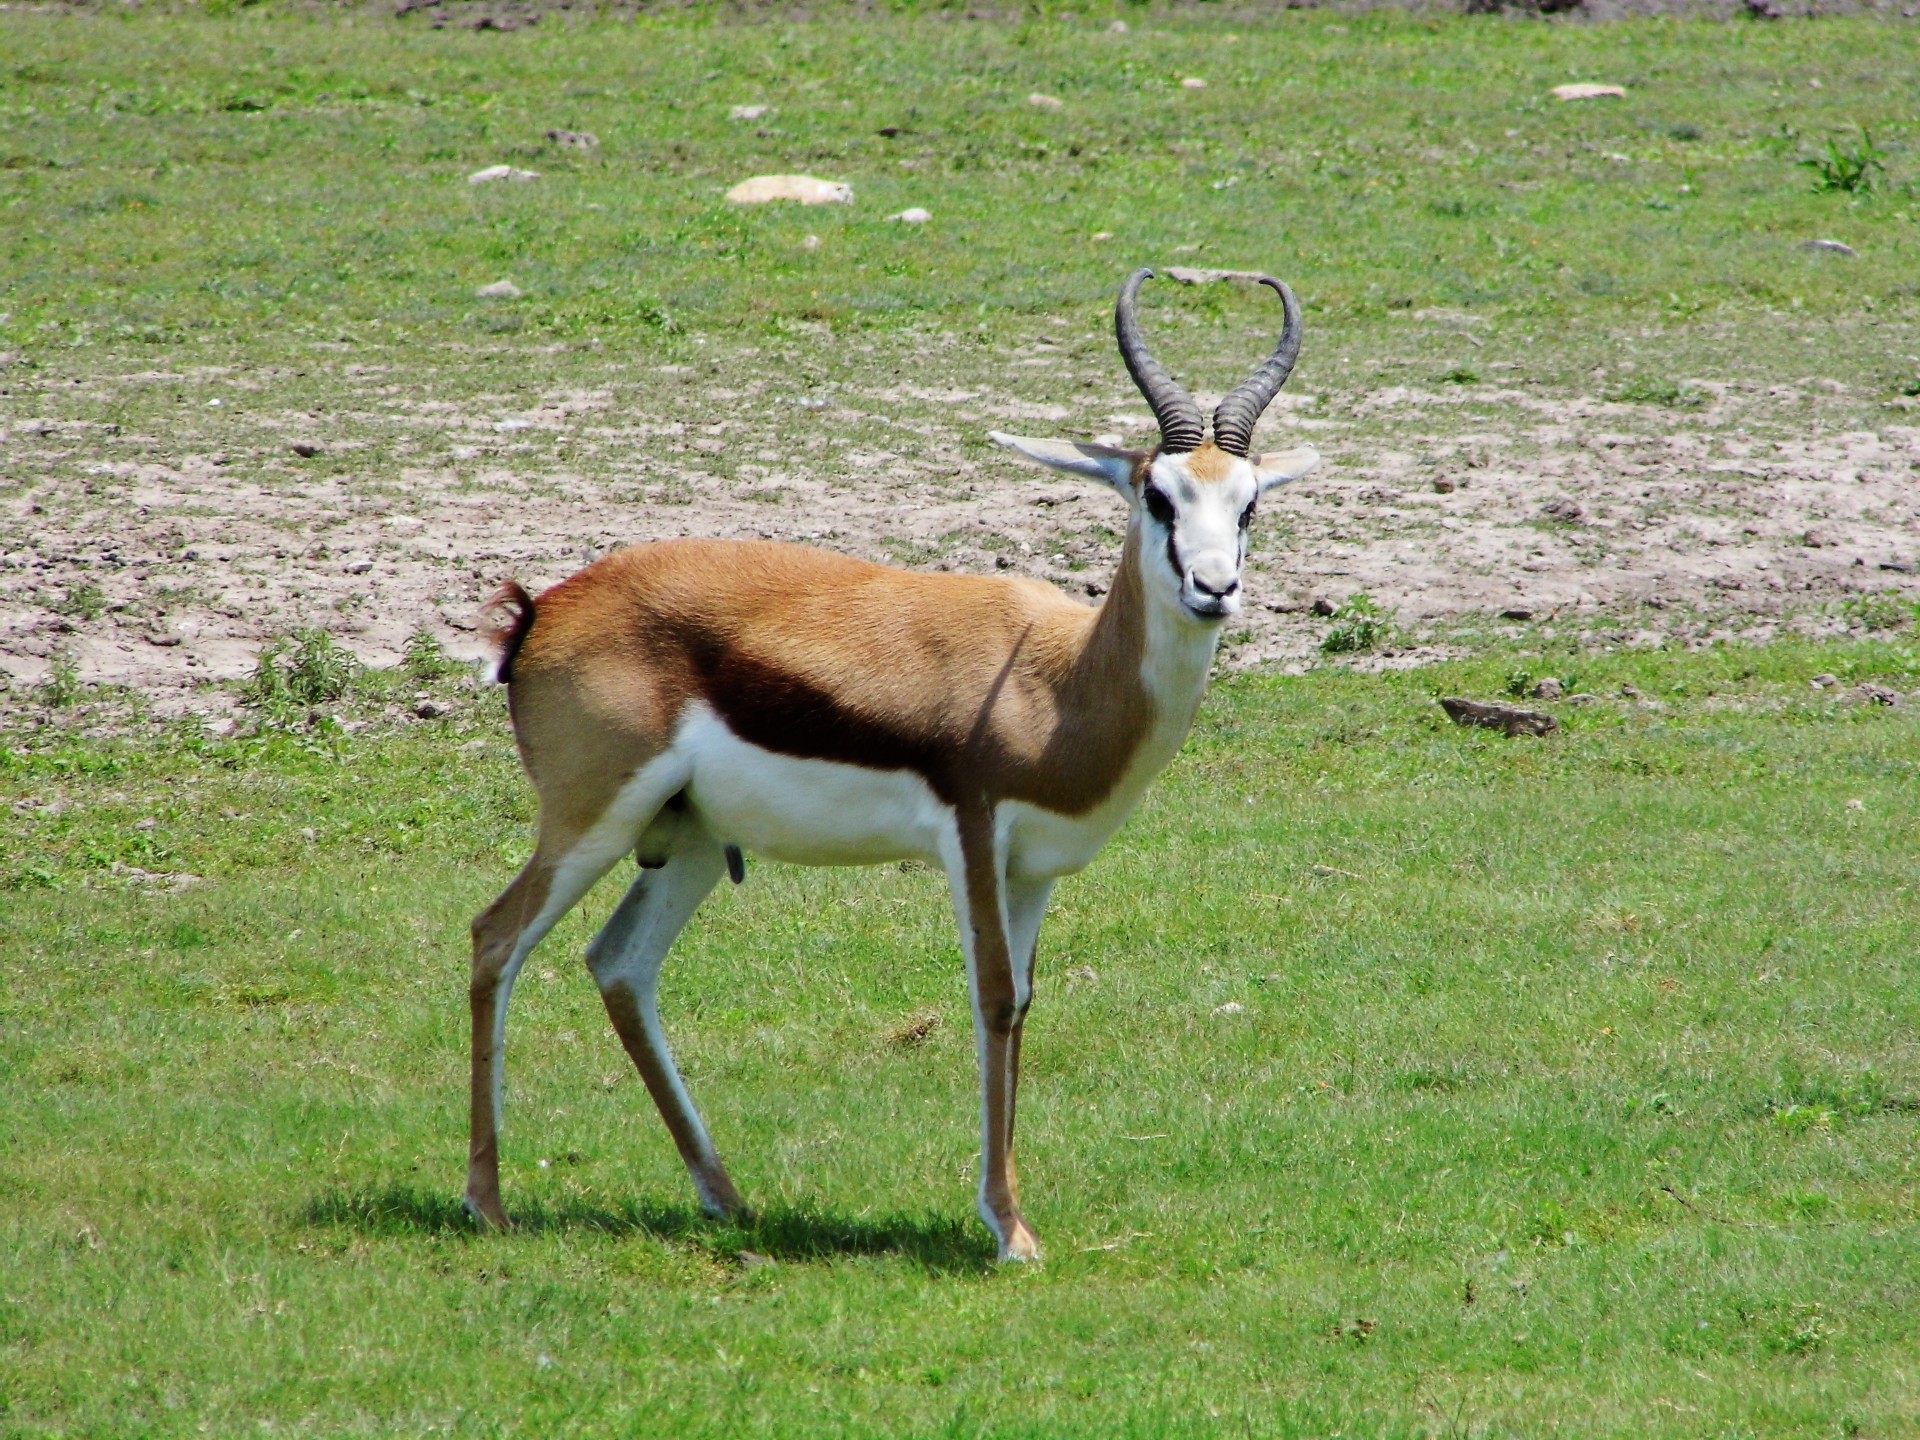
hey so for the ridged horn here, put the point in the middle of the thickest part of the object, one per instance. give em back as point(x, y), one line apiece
point(1235, 417)
point(1182, 427)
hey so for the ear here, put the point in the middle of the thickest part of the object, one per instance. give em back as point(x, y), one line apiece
point(1097, 462)
point(1285, 465)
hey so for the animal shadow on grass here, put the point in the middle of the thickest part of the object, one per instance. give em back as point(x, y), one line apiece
point(793, 1233)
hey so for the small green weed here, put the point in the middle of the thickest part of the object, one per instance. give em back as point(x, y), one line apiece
point(84, 600)
point(1651, 390)
point(62, 686)
point(423, 659)
point(1359, 627)
point(1802, 1330)
point(1878, 612)
point(302, 669)
point(1460, 375)
point(1848, 168)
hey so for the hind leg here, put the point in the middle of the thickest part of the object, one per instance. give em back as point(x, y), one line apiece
point(565, 865)
point(625, 958)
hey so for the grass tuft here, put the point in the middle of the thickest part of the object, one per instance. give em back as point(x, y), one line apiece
point(1359, 627)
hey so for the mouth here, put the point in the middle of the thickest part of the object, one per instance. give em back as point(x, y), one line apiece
point(1207, 611)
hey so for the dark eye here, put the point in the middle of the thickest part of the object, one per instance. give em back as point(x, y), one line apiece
point(1246, 515)
point(1159, 507)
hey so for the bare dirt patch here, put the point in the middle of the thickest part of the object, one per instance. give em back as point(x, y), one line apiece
point(164, 522)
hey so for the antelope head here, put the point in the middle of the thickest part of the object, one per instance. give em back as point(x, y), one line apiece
point(1192, 498)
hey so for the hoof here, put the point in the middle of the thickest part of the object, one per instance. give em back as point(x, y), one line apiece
point(486, 1213)
point(720, 1201)
point(1019, 1248)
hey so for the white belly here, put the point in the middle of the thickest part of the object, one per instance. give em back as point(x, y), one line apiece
point(1040, 844)
point(821, 812)
point(808, 812)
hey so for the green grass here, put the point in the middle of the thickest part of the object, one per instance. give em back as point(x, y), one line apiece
point(1573, 1083)
point(1573, 1088)
point(1383, 162)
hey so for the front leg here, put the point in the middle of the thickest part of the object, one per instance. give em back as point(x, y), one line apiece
point(1026, 907)
point(977, 879)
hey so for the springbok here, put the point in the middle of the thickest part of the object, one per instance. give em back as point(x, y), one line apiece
point(689, 700)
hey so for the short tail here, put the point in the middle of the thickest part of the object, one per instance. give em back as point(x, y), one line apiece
point(507, 616)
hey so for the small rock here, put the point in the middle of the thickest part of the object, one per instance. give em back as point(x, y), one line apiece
point(1193, 82)
point(1589, 92)
point(1046, 102)
point(1504, 718)
point(891, 132)
point(1190, 275)
point(812, 242)
point(1101, 235)
point(431, 710)
point(1323, 606)
point(1871, 694)
point(1629, 692)
point(748, 112)
point(502, 172)
point(1443, 486)
point(1547, 688)
point(360, 567)
point(305, 449)
point(1827, 247)
point(1232, 1007)
point(1118, 27)
point(165, 639)
point(1817, 540)
point(1564, 509)
point(912, 215)
point(499, 290)
point(574, 139)
point(1763, 10)
point(1517, 612)
point(1583, 698)
point(914, 1032)
point(1897, 567)
point(1824, 682)
point(751, 1260)
point(802, 189)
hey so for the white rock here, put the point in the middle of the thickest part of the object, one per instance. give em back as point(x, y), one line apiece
point(1828, 247)
point(812, 242)
point(1046, 102)
point(1193, 82)
point(1189, 275)
point(748, 112)
point(803, 189)
point(1589, 92)
point(499, 290)
point(1232, 1007)
point(502, 172)
point(913, 215)
point(1118, 27)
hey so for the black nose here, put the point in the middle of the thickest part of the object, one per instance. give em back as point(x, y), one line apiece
point(1231, 587)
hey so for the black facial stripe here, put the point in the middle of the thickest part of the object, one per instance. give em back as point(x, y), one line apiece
point(1160, 507)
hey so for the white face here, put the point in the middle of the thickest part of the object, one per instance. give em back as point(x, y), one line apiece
point(1194, 521)
point(1193, 511)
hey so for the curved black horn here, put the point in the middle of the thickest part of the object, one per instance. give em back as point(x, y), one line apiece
point(1181, 426)
point(1234, 419)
